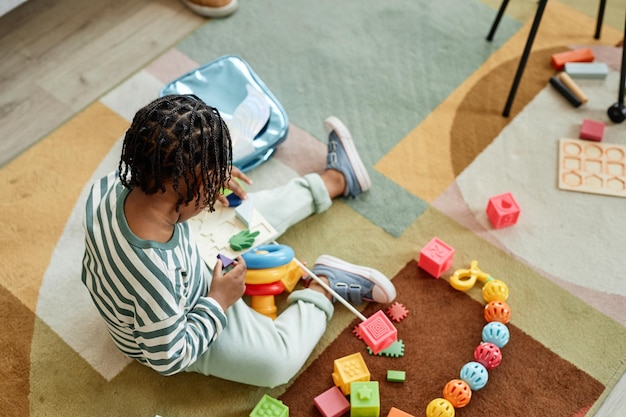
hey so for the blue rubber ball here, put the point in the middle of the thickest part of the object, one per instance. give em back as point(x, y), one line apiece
point(496, 333)
point(475, 375)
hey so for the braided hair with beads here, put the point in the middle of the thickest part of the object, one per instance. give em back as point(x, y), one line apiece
point(178, 139)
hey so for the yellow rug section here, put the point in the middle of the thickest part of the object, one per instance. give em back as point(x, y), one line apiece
point(425, 153)
point(38, 198)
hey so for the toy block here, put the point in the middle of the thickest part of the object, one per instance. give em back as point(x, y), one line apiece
point(572, 86)
point(577, 55)
point(591, 130)
point(396, 376)
point(503, 210)
point(233, 200)
point(378, 332)
point(594, 70)
point(244, 210)
point(348, 369)
point(396, 412)
point(293, 275)
point(332, 403)
point(436, 257)
point(268, 406)
point(565, 92)
point(365, 399)
point(227, 263)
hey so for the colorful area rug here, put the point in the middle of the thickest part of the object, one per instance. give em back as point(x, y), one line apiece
point(422, 92)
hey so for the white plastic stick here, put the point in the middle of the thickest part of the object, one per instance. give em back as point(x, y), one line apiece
point(331, 291)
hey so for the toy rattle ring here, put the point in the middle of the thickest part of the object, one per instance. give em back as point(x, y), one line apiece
point(465, 279)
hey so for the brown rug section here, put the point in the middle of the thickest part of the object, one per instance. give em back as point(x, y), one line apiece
point(440, 333)
point(479, 118)
point(15, 341)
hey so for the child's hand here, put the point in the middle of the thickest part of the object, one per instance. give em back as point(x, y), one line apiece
point(228, 288)
point(235, 185)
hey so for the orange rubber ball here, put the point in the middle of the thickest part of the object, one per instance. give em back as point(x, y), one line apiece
point(497, 311)
point(458, 393)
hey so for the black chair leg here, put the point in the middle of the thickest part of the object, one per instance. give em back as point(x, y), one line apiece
point(496, 22)
point(617, 112)
point(522, 64)
point(600, 19)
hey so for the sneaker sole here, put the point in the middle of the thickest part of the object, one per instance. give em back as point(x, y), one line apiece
point(206, 11)
point(383, 292)
point(334, 124)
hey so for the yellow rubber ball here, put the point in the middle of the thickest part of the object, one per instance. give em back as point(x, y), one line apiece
point(439, 407)
point(495, 290)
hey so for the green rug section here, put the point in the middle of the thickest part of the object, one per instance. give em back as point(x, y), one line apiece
point(380, 66)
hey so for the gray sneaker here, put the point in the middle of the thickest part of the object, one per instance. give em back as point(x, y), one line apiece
point(343, 157)
point(355, 283)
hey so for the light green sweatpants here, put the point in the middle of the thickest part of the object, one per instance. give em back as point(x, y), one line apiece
point(254, 349)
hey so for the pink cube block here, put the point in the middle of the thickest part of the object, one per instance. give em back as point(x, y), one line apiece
point(378, 332)
point(503, 210)
point(591, 130)
point(332, 403)
point(436, 257)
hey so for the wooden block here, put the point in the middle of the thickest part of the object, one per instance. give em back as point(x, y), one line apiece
point(577, 55)
point(591, 130)
point(573, 87)
point(594, 70)
point(565, 92)
point(592, 167)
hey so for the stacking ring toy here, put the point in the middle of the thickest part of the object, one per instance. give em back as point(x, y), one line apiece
point(268, 256)
point(267, 275)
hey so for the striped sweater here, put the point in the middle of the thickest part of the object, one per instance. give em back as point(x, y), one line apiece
point(151, 295)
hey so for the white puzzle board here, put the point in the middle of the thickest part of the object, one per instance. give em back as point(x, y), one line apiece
point(213, 231)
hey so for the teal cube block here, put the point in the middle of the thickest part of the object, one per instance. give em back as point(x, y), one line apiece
point(364, 399)
point(270, 407)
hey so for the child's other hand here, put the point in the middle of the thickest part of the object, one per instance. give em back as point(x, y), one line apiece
point(228, 288)
point(235, 186)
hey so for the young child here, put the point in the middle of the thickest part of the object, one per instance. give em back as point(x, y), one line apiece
point(160, 302)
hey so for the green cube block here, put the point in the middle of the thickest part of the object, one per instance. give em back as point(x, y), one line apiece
point(364, 399)
point(270, 407)
point(396, 376)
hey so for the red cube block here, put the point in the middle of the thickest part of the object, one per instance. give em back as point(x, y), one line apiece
point(591, 130)
point(503, 210)
point(436, 257)
point(378, 332)
point(332, 403)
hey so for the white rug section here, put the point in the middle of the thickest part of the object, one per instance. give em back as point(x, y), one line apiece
point(64, 303)
point(133, 94)
point(559, 232)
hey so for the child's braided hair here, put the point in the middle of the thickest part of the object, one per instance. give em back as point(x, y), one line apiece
point(181, 139)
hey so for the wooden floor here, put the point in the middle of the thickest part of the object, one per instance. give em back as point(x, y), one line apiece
point(58, 56)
